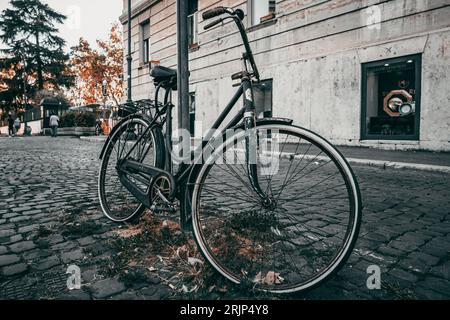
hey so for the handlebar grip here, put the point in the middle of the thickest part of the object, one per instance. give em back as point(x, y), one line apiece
point(212, 24)
point(214, 12)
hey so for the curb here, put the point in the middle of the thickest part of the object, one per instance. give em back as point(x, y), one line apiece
point(400, 165)
point(93, 139)
point(389, 164)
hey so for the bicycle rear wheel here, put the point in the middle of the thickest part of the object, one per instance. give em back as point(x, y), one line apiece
point(117, 203)
point(299, 238)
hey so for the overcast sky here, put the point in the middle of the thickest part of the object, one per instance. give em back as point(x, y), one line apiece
point(90, 19)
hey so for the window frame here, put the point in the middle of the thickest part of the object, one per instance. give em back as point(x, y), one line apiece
point(364, 89)
point(144, 42)
point(195, 28)
point(250, 15)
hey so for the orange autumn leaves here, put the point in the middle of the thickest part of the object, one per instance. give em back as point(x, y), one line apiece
point(92, 66)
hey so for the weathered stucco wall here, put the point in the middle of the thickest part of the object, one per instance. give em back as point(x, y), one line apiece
point(314, 53)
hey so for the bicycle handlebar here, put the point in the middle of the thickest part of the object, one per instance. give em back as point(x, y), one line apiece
point(212, 24)
point(214, 12)
point(237, 15)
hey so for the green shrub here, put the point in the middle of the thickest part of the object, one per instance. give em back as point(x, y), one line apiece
point(85, 120)
point(68, 120)
point(71, 119)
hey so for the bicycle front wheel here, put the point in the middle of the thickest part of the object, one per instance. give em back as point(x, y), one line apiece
point(297, 239)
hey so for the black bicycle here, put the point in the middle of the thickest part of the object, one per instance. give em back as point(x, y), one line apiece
point(270, 203)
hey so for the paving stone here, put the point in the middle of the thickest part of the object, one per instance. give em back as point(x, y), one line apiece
point(72, 256)
point(429, 294)
point(6, 233)
point(107, 288)
point(15, 238)
point(14, 269)
point(64, 246)
point(89, 276)
point(403, 275)
point(54, 239)
point(29, 228)
point(22, 246)
point(160, 293)
point(36, 254)
point(9, 259)
point(10, 215)
point(438, 285)
point(3, 250)
point(19, 219)
point(127, 296)
point(86, 241)
point(48, 263)
point(442, 270)
point(20, 209)
point(75, 295)
point(32, 212)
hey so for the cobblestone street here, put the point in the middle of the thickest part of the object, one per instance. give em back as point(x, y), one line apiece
point(50, 219)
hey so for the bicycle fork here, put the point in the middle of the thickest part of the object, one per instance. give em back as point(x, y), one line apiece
point(251, 141)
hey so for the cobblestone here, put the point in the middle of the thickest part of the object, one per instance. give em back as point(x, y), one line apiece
point(405, 230)
point(107, 288)
point(8, 259)
point(14, 269)
point(22, 246)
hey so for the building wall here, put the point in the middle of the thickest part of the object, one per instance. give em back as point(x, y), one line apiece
point(313, 53)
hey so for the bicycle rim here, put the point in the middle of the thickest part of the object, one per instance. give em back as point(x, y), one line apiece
point(298, 241)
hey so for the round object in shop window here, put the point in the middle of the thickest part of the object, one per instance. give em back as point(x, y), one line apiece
point(394, 100)
point(394, 104)
point(406, 109)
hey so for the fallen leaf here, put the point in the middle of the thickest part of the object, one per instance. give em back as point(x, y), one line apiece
point(194, 261)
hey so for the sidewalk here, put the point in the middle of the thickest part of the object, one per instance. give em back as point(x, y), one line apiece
point(416, 160)
point(101, 139)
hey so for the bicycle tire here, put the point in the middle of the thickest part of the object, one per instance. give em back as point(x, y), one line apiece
point(211, 254)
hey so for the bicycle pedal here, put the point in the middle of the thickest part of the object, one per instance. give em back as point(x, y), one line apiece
point(163, 209)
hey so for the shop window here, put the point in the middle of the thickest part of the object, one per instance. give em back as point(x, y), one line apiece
point(263, 94)
point(193, 23)
point(261, 11)
point(145, 34)
point(391, 99)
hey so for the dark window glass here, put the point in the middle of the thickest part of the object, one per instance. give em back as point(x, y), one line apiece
point(146, 57)
point(192, 22)
point(391, 99)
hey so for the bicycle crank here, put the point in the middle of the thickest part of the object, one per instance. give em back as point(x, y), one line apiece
point(160, 194)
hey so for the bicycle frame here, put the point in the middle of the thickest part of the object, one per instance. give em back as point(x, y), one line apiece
point(246, 114)
point(248, 108)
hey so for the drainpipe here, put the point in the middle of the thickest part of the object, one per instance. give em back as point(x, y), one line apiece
point(129, 57)
point(183, 64)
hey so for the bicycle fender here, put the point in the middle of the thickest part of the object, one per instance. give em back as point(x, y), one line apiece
point(265, 121)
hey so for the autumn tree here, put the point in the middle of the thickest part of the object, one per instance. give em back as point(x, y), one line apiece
point(33, 50)
point(93, 66)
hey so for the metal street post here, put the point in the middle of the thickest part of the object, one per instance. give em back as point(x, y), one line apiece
point(129, 57)
point(183, 64)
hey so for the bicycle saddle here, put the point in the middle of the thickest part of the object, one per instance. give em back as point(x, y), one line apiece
point(164, 75)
